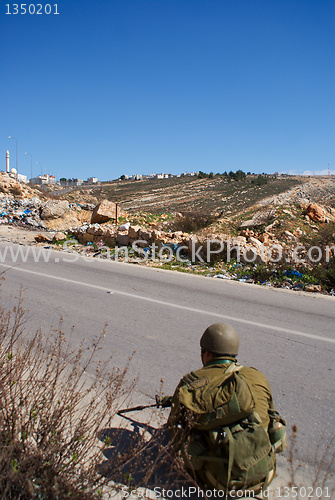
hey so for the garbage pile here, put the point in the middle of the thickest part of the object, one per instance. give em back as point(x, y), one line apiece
point(34, 213)
point(25, 212)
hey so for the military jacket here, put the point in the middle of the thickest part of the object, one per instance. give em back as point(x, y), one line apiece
point(257, 381)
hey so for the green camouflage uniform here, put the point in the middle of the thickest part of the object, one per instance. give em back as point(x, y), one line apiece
point(260, 386)
point(177, 422)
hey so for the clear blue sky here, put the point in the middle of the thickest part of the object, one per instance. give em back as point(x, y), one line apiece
point(112, 87)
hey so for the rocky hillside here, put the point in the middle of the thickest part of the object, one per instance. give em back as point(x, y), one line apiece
point(185, 194)
point(254, 238)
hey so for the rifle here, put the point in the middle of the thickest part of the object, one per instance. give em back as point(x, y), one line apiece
point(161, 402)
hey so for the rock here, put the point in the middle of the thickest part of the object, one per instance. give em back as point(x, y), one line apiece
point(54, 209)
point(298, 233)
point(42, 238)
point(145, 234)
point(264, 238)
point(238, 241)
point(85, 238)
point(316, 213)
point(105, 211)
point(259, 218)
point(271, 226)
point(178, 235)
point(246, 233)
point(313, 288)
point(289, 236)
point(133, 232)
point(156, 234)
point(95, 229)
point(108, 231)
point(122, 238)
point(67, 221)
point(254, 241)
point(59, 236)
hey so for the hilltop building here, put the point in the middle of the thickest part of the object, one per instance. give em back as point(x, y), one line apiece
point(92, 180)
point(41, 180)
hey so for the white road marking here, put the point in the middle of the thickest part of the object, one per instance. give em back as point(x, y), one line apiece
point(176, 306)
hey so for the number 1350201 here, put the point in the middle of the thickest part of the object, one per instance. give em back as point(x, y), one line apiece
point(31, 8)
point(303, 492)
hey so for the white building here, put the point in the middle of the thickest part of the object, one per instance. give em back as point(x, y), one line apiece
point(92, 180)
point(77, 182)
point(43, 179)
point(22, 178)
point(137, 177)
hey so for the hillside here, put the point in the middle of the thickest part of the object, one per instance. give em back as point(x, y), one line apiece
point(185, 194)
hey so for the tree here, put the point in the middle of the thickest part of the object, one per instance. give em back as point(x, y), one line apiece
point(202, 175)
point(240, 175)
point(237, 176)
point(260, 181)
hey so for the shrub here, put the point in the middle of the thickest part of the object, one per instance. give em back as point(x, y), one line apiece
point(53, 401)
point(192, 221)
point(324, 272)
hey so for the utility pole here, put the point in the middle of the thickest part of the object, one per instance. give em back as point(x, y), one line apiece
point(31, 164)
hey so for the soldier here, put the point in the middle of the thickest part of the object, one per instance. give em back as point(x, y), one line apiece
point(222, 421)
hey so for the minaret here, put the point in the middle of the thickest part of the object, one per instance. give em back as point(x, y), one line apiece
point(7, 162)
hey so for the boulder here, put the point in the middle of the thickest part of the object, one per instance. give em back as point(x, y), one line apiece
point(105, 211)
point(42, 238)
point(145, 234)
point(122, 238)
point(133, 232)
point(85, 238)
point(95, 229)
point(59, 236)
point(316, 213)
point(54, 209)
point(258, 219)
point(254, 242)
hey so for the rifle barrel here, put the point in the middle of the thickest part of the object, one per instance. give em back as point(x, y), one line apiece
point(135, 408)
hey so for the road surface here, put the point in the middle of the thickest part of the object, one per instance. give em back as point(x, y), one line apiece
point(161, 315)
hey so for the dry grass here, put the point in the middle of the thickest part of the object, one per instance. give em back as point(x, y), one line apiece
point(180, 194)
point(51, 412)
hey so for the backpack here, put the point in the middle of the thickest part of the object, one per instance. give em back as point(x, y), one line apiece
point(226, 447)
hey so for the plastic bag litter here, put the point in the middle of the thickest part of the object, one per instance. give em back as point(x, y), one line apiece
point(125, 226)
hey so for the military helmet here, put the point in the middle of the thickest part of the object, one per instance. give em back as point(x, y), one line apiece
point(220, 339)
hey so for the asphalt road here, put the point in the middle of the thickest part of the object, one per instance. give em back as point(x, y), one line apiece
point(161, 315)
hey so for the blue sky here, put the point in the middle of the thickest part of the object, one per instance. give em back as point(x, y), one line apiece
point(112, 87)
